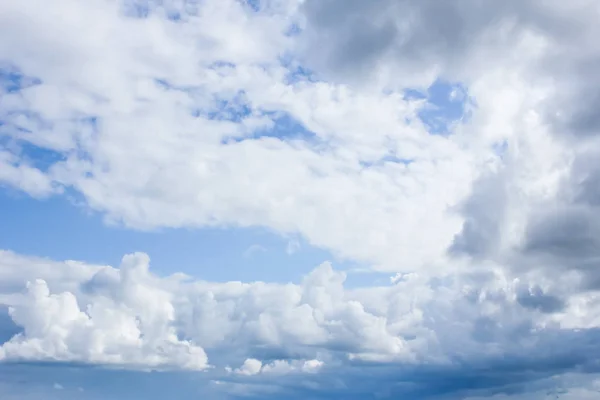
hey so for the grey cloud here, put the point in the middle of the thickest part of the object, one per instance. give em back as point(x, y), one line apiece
point(573, 64)
point(451, 39)
point(356, 37)
point(566, 235)
point(555, 353)
point(483, 214)
point(583, 186)
point(460, 40)
point(569, 233)
point(535, 298)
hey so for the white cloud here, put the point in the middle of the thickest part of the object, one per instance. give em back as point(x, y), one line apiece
point(130, 318)
point(250, 367)
point(132, 326)
point(18, 174)
point(155, 124)
point(153, 154)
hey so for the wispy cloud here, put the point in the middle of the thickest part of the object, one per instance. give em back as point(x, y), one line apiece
point(253, 250)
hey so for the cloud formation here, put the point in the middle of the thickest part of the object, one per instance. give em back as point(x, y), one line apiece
point(469, 330)
point(131, 325)
point(308, 118)
point(186, 125)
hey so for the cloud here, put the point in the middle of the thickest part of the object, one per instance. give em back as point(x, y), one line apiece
point(533, 205)
point(253, 250)
point(185, 125)
point(296, 116)
point(292, 246)
point(409, 44)
point(252, 366)
point(438, 336)
point(130, 327)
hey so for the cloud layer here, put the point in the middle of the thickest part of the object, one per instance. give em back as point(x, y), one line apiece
point(415, 336)
point(316, 118)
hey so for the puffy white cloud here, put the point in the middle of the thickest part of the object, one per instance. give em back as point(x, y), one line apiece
point(129, 326)
point(309, 333)
point(250, 367)
point(253, 366)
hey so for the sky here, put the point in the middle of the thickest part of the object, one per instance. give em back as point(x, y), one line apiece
point(300, 199)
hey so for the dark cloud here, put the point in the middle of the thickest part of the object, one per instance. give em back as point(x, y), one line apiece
point(356, 37)
point(552, 353)
point(483, 214)
point(351, 38)
point(535, 298)
point(573, 65)
point(568, 233)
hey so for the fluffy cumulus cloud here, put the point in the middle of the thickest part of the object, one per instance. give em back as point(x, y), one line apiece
point(314, 119)
point(130, 325)
point(454, 335)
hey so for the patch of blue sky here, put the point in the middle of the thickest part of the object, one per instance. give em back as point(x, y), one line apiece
point(446, 104)
point(58, 229)
point(12, 79)
point(15, 137)
point(298, 74)
point(296, 71)
point(500, 148)
point(390, 158)
point(39, 157)
point(7, 327)
point(234, 108)
point(174, 11)
point(136, 8)
point(229, 107)
point(255, 5)
point(285, 128)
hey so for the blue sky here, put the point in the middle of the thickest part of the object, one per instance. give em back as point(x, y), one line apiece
point(315, 199)
point(56, 227)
